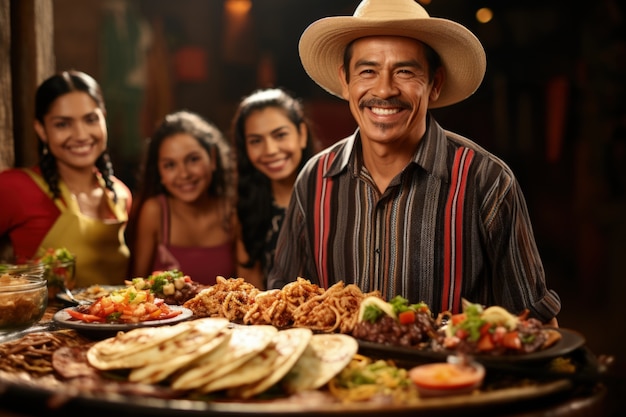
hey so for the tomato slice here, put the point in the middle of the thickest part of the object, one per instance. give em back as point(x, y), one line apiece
point(485, 343)
point(484, 329)
point(511, 340)
point(458, 318)
point(88, 318)
point(406, 317)
point(461, 334)
point(170, 314)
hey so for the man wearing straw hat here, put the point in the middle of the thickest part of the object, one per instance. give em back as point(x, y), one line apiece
point(403, 206)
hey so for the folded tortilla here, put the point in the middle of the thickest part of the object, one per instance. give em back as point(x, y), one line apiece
point(289, 344)
point(245, 342)
point(325, 356)
point(206, 335)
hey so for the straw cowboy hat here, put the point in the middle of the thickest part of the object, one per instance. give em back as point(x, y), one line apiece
point(323, 43)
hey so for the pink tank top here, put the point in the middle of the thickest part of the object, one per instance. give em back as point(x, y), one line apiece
point(202, 264)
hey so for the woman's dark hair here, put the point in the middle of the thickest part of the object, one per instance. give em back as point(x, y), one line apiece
point(254, 204)
point(50, 90)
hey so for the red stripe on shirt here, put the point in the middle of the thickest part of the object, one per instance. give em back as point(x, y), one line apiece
point(453, 231)
point(322, 217)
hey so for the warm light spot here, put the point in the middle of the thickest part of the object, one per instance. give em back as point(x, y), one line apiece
point(424, 1)
point(484, 15)
point(238, 7)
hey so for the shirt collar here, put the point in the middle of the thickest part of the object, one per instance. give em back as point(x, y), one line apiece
point(431, 154)
point(344, 154)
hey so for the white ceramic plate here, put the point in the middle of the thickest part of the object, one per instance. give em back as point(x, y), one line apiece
point(63, 319)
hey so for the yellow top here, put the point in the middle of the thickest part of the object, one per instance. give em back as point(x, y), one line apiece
point(99, 246)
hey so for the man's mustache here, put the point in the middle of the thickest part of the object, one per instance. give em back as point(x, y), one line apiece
point(376, 102)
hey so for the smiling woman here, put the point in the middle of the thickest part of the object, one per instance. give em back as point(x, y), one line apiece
point(71, 198)
point(273, 141)
point(184, 214)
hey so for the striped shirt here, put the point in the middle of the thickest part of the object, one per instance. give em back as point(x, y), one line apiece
point(452, 225)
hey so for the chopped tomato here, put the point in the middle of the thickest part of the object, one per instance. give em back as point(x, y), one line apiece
point(458, 318)
point(156, 314)
point(127, 311)
point(107, 307)
point(461, 333)
point(484, 329)
point(406, 317)
point(511, 340)
point(423, 309)
point(485, 343)
point(170, 314)
point(152, 308)
point(88, 318)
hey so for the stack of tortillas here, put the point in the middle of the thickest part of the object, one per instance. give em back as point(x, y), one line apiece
point(209, 354)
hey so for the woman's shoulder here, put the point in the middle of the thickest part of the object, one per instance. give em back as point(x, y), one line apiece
point(16, 181)
point(14, 174)
point(152, 206)
point(150, 217)
point(16, 178)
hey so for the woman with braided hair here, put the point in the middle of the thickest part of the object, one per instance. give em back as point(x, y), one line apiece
point(70, 198)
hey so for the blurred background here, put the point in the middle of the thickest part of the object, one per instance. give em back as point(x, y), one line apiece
point(552, 104)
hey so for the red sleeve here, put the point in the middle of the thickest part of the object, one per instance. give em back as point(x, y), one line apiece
point(26, 212)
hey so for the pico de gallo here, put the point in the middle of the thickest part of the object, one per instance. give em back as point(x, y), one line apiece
point(492, 330)
point(126, 305)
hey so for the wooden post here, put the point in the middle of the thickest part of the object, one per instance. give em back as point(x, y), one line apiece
point(32, 60)
point(7, 157)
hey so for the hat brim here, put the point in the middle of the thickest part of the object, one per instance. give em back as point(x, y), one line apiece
point(323, 43)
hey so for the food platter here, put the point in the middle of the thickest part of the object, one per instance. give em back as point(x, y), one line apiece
point(570, 341)
point(127, 384)
point(78, 396)
point(63, 319)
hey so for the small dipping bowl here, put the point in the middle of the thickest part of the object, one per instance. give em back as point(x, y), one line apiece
point(23, 300)
point(454, 377)
point(60, 275)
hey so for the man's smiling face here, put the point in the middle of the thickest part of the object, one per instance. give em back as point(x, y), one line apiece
point(389, 89)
